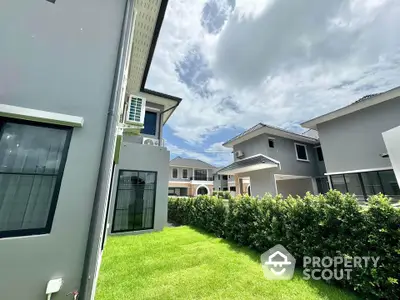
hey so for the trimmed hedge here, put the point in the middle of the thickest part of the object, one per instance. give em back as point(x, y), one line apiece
point(333, 224)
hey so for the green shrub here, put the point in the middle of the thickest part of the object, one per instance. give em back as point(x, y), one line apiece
point(223, 194)
point(324, 225)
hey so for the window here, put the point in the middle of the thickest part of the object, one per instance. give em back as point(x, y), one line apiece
point(224, 177)
point(32, 160)
point(389, 183)
point(219, 177)
point(367, 184)
point(301, 152)
point(232, 188)
point(322, 184)
point(271, 143)
point(135, 201)
point(338, 183)
point(184, 173)
point(174, 173)
point(354, 185)
point(150, 123)
point(200, 175)
point(319, 154)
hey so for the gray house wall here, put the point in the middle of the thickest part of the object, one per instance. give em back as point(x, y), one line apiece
point(137, 157)
point(262, 182)
point(355, 142)
point(284, 151)
point(59, 58)
point(294, 187)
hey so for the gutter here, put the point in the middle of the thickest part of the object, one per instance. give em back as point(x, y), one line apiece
point(97, 229)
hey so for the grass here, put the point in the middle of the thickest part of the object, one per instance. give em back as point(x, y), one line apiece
point(184, 263)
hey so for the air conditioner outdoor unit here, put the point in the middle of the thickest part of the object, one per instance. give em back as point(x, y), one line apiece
point(135, 111)
point(151, 141)
point(239, 154)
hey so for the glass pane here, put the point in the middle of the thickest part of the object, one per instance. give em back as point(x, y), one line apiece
point(31, 149)
point(319, 154)
point(200, 174)
point(301, 152)
point(150, 123)
point(338, 183)
point(323, 185)
point(135, 201)
point(372, 183)
point(25, 201)
point(175, 173)
point(389, 182)
point(185, 173)
point(354, 185)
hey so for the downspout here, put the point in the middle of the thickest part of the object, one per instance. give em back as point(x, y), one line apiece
point(98, 218)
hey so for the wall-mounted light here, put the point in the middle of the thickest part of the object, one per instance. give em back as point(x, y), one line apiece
point(384, 155)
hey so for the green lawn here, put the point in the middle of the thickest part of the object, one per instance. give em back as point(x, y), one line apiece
point(183, 263)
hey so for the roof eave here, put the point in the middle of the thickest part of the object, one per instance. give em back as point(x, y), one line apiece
point(354, 107)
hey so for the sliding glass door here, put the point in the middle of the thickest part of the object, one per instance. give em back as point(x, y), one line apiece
point(135, 201)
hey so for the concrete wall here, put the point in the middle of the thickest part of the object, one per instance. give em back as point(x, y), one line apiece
point(137, 157)
point(355, 142)
point(294, 187)
point(261, 181)
point(60, 58)
point(392, 142)
point(284, 151)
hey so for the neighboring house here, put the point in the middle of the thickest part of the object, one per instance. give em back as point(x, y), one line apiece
point(354, 150)
point(65, 65)
point(272, 160)
point(190, 177)
point(220, 181)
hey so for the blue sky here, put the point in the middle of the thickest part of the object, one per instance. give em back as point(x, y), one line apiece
point(237, 63)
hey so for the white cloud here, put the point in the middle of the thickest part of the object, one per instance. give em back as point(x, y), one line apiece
point(216, 154)
point(277, 62)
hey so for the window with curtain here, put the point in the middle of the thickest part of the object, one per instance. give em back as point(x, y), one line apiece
point(32, 159)
point(135, 201)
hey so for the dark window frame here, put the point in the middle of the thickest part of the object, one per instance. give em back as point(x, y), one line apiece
point(363, 187)
point(116, 199)
point(177, 173)
point(187, 174)
point(155, 125)
point(307, 159)
point(271, 142)
point(59, 177)
point(320, 155)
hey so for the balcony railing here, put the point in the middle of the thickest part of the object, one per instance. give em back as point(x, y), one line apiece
point(201, 178)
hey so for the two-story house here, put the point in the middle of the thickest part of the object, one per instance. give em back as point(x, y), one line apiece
point(353, 143)
point(190, 177)
point(64, 69)
point(276, 161)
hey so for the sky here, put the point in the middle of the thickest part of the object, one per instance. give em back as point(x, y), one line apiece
point(237, 63)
